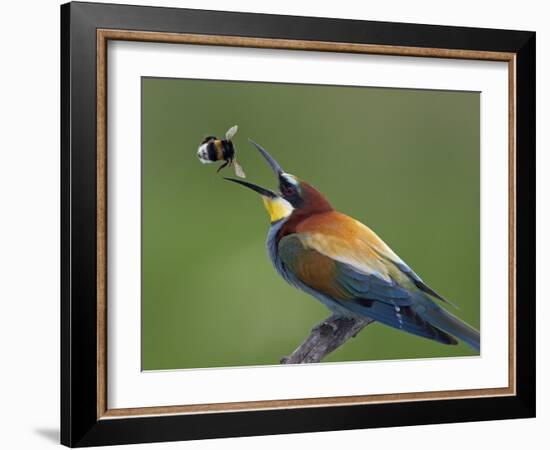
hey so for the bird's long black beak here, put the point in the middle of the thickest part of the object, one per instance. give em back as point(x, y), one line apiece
point(274, 164)
point(260, 190)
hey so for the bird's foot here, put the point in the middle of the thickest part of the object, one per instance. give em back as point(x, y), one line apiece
point(325, 328)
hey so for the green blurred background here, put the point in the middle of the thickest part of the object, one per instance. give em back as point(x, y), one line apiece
point(404, 162)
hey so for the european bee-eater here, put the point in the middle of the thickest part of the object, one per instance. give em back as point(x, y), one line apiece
point(346, 266)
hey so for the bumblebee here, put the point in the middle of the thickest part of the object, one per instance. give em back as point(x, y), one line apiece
point(213, 149)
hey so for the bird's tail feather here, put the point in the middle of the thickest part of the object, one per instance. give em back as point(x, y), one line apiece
point(451, 324)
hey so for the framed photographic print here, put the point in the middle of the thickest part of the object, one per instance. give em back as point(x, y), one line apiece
point(276, 224)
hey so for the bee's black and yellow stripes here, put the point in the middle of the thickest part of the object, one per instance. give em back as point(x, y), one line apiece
point(215, 150)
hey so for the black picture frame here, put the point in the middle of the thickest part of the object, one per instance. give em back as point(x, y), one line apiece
point(80, 425)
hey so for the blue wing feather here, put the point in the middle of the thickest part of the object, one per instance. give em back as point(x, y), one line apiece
point(370, 286)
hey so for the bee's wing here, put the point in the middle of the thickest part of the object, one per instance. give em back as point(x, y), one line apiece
point(231, 132)
point(238, 169)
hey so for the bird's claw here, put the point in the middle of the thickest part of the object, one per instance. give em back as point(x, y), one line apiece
point(325, 328)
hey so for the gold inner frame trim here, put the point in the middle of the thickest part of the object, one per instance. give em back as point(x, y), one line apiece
point(103, 36)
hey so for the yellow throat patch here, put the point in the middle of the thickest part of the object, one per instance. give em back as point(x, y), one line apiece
point(278, 208)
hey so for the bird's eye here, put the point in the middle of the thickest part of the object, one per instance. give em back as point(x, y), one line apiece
point(288, 191)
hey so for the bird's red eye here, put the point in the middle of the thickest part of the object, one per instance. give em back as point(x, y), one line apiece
point(288, 191)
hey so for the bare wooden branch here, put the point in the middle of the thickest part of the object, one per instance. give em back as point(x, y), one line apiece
point(325, 338)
